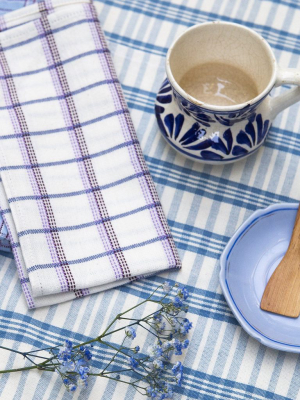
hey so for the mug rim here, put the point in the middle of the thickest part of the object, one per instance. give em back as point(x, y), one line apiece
point(212, 107)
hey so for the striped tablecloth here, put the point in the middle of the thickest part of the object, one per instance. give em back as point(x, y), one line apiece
point(204, 206)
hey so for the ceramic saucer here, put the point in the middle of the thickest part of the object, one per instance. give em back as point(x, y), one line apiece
point(247, 263)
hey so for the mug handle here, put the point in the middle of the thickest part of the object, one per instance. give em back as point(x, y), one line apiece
point(284, 100)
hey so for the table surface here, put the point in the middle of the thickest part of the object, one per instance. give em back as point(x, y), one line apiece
point(204, 206)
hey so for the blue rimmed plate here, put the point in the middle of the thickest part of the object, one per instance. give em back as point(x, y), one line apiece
point(247, 263)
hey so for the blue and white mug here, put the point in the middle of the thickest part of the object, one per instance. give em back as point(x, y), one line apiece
point(221, 134)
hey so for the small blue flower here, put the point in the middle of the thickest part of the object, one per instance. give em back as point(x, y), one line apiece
point(65, 351)
point(136, 349)
point(167, 349)
point(159, 324)
point(83, 371)
point(87, 354)
point(161, 327)
point(74, 365)
point(187, 325)
point(167, 287)
point(185, 343)
point(183, 293)
point(178, 372)
point(67, 366)
point(68, 344)
point(158, 364)
point(151, 392)
point(155, 351)
point(81, 362)
point(130, 332)
point(177, 368)
point(157, 317)
point(178, 347)
point(177, 302)
point(133, 363)
point(72, 387)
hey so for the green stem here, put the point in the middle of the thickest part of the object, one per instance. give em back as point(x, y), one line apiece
point(125, 354)
point(13, 350)
point(115, 372)
point(22, 369)
point(43, 365)
point(47, 348)
point(133, 319)
point(116, 330)
point(148, 330)
point(143, 319)
point(118, 380)
point(114, 356)
point(125, 312)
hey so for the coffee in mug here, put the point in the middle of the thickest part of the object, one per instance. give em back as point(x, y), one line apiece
point(219, 84)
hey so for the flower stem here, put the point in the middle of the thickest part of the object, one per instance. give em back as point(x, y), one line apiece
point(118, 380)
point(24, 369)
point(114, 356)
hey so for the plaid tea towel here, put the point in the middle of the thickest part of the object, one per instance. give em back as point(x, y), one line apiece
point(76, 196)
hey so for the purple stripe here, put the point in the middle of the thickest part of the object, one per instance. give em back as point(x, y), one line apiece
point(22, 144)
point(49, 6)
point(70, 160)
point(137, 160)
point(88, 224)
point(24, 280)
point(45, 7)
point(101, 255)
point(2, 23)
point(75, 146)
point(73, 135)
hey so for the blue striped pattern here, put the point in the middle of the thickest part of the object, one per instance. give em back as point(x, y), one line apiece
point(204, 206)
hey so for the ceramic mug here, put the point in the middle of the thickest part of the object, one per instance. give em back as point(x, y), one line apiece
point(221, 134)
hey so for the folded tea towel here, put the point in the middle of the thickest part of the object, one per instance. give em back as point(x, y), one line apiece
point(76, 196)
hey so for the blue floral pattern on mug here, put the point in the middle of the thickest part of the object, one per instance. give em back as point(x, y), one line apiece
point(198, 132)
point(193, 111)
point(232, 118)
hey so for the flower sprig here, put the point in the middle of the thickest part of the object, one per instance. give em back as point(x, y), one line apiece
point(153, 373)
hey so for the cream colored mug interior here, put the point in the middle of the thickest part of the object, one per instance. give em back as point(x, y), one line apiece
point(222, 42)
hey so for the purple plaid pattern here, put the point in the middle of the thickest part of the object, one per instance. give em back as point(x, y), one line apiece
point(77, 139)
point(136, 155)
point(77, 160)
point(64, 273)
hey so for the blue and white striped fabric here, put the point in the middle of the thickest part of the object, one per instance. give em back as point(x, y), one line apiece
point(204, 206)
